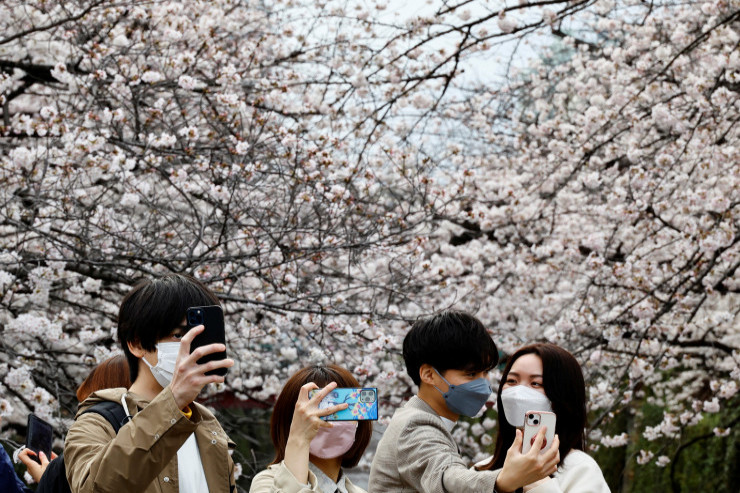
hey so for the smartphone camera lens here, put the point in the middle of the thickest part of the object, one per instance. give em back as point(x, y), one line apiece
point(195, 317)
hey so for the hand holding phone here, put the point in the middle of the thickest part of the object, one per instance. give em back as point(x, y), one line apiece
point(362, 403)
point(39, 437)
point(533, 421)
point(522, 469)
point(36, 464)
point(212, 318)
point(305, 426)
point(189, 377)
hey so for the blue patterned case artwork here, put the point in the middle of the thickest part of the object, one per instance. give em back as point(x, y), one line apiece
point(363, 403)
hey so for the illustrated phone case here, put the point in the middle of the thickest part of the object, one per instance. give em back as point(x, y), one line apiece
point(212, 317)
point(39, 436)
point(533, 421)
point(363, 403)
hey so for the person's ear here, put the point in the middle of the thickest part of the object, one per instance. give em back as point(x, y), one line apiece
point(136, 349)
point(427, 374)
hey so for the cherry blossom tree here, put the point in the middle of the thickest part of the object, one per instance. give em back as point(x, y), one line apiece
point(334, 169)
point(188, 137)
point(608, 220)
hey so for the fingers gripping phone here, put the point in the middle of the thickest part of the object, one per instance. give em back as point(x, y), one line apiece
point(533, 421)
point(363, 403)
point(212, 318)
point(39, 437)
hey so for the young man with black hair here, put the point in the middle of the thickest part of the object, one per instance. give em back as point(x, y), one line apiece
point(169, 442)
point(448, 356)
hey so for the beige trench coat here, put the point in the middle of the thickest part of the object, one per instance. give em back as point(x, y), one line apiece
point(142, 457)
point(277, 478)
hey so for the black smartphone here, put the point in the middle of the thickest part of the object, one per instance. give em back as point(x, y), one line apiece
point(39, 436)
point(212, 318)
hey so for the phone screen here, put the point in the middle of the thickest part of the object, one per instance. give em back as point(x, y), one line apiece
point(39, 435)
point(362, 403)
point(212, 318)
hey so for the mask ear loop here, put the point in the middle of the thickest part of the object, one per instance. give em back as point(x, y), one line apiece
point(449, 385)
point(151, 366)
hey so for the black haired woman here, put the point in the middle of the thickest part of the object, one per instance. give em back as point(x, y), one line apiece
point(546, 377)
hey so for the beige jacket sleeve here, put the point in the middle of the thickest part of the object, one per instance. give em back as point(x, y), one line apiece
point(99, 460)
point(278, 479)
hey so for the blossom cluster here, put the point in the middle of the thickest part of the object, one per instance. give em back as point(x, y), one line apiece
point(334, 184)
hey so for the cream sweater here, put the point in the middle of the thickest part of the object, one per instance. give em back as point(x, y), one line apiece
point(578, 473)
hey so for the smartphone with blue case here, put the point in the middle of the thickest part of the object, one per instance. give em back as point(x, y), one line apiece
point(363, 403)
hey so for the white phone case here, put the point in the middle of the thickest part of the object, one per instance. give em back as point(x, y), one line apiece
point(533, 421)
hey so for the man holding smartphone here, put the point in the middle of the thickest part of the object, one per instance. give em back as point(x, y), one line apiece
point(168, 442)
point(448, 356)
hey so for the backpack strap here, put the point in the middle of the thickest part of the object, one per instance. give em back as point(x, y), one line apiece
point(54, 479)
point(112, 411)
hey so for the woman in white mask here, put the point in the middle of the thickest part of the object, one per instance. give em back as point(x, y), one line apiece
point(545, 377)
point(310, 453)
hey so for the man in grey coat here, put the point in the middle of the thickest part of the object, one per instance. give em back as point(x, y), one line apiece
point(448, 356)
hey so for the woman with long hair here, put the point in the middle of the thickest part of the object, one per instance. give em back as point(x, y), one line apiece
point(310, 453)
point(545, 377)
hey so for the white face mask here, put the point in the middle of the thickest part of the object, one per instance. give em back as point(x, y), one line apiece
point(166, 357)
point(520, 399)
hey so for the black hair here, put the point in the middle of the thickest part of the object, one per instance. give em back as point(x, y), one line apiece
point(154, 308)
point(449, 340)
point(562, 379)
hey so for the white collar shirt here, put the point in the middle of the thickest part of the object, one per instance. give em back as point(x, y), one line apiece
point(325, 484)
